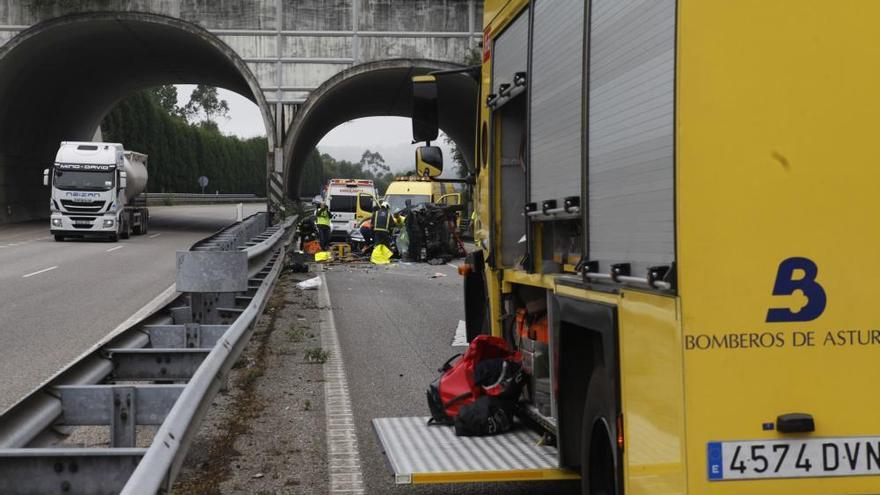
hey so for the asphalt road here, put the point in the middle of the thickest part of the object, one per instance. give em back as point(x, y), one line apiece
point(59, 299)
point(395, 326)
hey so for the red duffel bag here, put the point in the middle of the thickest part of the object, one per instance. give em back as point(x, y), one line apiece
point(456, 386)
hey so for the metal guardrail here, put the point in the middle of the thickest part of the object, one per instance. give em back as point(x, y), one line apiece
point(159, 199)
point(164, 372)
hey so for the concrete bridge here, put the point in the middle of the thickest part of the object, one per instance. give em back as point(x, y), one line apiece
point(308, 64)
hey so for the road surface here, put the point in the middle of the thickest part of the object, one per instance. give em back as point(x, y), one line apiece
point(396, 326)
point(58, 299)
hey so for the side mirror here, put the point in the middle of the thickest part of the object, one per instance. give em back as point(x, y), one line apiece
point(424, 109)
point(365, 202)
point(429, 161)
point(45, 176)
point(123, 179)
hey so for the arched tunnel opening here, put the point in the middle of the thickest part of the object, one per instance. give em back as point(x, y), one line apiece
point(59, 78)
point(382, 88)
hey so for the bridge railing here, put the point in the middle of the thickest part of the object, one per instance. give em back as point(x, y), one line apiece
point(163, 372)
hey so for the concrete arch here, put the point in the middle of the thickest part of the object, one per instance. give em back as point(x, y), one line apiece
point(60, 77)
point(381, 88)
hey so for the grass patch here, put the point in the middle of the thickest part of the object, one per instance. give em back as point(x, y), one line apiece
point(296, 334)
point(317, 355)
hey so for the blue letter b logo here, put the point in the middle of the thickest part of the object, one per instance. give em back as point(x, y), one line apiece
point(786, 285)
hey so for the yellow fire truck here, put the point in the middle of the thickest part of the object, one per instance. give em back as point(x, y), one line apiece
point(680, 191)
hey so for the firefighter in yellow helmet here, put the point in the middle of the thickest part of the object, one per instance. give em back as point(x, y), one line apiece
point(383, 222)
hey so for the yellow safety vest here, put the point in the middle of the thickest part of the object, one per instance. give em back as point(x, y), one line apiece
point(323, 217)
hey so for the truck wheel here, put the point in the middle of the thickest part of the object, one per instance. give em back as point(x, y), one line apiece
point(145, 224)
point(137, 230)
point(598, 467)
point(126, 231)
point(59, 238)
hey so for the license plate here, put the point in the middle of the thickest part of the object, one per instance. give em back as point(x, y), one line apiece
point(808, 458)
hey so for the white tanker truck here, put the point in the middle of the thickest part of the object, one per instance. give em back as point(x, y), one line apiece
point(94, 186)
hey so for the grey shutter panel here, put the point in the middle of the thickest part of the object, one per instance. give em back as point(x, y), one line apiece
point(510, 52)
point(557, 106)
point(632, 133)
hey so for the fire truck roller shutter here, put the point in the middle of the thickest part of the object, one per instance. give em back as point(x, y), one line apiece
point(556, 88)
point(631, 133)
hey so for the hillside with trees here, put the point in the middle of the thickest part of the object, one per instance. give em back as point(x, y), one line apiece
point(321, 167)
point(184, 142)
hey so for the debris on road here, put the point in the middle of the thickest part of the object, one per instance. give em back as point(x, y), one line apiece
point(310, 284)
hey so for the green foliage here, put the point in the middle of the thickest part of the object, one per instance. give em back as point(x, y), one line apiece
point(461, 167)
point(377, 171)
point(180, 152)
point(317, 355)
point(204, 101)
point(373, 162)
point(320, 168)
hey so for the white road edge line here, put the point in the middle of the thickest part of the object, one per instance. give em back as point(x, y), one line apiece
point(114, 249)
point(44, 270)
point(460, 338)
point(155, 236)
point(346, 475)
point(164, 298)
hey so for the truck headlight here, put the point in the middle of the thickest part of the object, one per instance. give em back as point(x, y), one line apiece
point(108, 222)
point(56, 222)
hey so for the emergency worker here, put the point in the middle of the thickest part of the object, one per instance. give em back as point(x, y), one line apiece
point(383, 221)
point(322, 219)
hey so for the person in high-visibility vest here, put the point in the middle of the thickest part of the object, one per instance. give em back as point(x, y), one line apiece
point(322, 219)
point(383, 222)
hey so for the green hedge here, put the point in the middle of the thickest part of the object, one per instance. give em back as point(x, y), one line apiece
point(181, 152)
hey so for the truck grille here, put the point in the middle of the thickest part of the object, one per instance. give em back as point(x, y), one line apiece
point(82, 222)
point(83, 207)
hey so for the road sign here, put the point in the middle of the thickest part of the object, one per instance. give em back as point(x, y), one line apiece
point(203, 181)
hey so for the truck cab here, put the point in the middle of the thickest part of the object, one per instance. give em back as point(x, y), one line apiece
point(92, 185)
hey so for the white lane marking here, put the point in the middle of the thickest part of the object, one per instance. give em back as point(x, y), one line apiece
point(44, 270)
point(460, 338)
point(453, 266)
point(154, 236)
point(346, 475)
point(114, 249)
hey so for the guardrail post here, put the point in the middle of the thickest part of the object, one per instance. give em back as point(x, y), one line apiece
point(123, 431)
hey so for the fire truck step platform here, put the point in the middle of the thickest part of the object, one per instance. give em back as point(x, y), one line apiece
point(421, 454)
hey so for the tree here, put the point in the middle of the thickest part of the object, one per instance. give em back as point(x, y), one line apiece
point(461, 167)
point(374, 162)
point(204, 100)
point(180, 152)
point(167, 98)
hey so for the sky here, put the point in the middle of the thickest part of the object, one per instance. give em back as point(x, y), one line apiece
point(390, 136)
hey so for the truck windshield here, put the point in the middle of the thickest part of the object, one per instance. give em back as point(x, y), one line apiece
point(397, 202)
point(83, 181)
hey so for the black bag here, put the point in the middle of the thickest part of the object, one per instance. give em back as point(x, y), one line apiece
point(501, 377)
point(486, 416)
